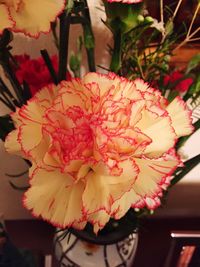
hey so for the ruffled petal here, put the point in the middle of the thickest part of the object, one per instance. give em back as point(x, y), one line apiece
point(12, 143)
point(54, 197)
point(160, 131)
point(181, 117)
point(33, 17)
point(103, 189)
point(6, 21)
point(147, 188)
point(99, 220)
point(152, 175)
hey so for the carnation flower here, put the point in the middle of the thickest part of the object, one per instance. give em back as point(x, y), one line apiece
point(177, 78)
point(35, 72)
point(98, 146)
point(28, 16)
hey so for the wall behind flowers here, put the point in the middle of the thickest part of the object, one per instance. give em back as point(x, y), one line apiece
point(10, 200)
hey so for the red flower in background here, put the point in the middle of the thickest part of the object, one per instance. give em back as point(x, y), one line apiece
point(181, 85)
point(35, 72)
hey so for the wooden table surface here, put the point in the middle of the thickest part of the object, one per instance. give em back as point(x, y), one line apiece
point(154, 237)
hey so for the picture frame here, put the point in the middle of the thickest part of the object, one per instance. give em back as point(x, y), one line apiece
point(184, 250)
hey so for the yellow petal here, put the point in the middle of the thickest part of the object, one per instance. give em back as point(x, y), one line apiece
point(180, 116)
point(16, 117)
point(160, 131)
point(99, 220)
point(103, 189)
point(12, 144)
point(122, 205)
point(152, 175)
point(33, 17)
point(147, 187)
point(96, 195)
point(6, 20)
point(47, 95)
point(30, 135)
point(53, 197)
point(112, 84)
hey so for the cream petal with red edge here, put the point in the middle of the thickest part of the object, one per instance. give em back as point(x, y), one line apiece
point(147, 186)
point(32, 112)
point(99, 220)
point(38, 154)
point(12, 144)
point(152, 175)
point(122, 205)
point(33, 17)
point(114, 86)
point(180, 116)
point(16, 118)
point(13, 3)
point(103, 189)
point(70, 99)
point(47, 95)
point(160, 131)
point(54, 197)
point(30, 135)
point(5, 18)
point(97, 194)
point(104, 83)
point(79, 225)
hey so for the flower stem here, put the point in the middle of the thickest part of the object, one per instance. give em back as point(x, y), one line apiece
point(117, 51)
point(7, 95)
point(89, 41)
point(63, 45)
point(12, 78)
point(49, 65)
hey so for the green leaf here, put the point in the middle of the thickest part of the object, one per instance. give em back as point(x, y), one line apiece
point(169, 27)
point(194, 62)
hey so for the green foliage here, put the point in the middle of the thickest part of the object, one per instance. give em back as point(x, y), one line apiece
point(75, 59)
point(194, 63)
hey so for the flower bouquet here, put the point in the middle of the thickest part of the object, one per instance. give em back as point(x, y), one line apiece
point(102, 145)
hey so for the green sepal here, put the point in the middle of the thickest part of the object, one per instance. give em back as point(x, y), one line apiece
point(122, 17)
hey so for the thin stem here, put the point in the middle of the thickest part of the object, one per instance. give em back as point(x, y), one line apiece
point(195, 32)
point(63, 46)
point(194, 39)
point(176, 10)
point(13, 80)
point(161, 11)
point(89, 41)
point(49, 65)
point(193, 19)
point(115, 64)
point(187, 39)
point(7, 104)
point(12, 106)
point(7, 91)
